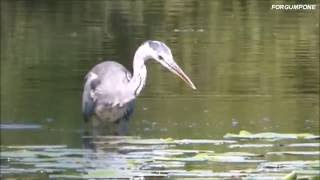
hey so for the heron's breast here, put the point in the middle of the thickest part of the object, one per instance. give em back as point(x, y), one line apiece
point(109, 113)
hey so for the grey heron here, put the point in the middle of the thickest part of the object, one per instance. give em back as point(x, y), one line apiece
point(110, 89)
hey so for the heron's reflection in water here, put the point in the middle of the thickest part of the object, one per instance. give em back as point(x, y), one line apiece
point(101, 139)
point(95, 130)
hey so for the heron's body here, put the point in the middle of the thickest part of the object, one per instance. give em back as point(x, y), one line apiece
point(108, 99)
point(110, 89)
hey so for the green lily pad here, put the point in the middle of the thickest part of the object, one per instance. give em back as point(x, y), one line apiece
point(17, 154)
point(301, 153)
point(203, 157)
point(14, 171)
point(270, 135)
point(244, 154)
point(59, 165)
point(110, 137)
point(304, 145)
point(33, 147)
point(250, 145)
point(235, 159)
point(204, 141)
point(176, 152)
point(107, 173)
point(291, 176)
point(197, 158)
point(143, 141)
point(65, 176)
point(138, 148)
point(204, 174)
point(298, 165)
point(308, 172)
point(163, 165)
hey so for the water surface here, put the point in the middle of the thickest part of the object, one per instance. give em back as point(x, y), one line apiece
point(255, 68)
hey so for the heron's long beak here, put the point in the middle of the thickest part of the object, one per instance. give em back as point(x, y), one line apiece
point(173, 67)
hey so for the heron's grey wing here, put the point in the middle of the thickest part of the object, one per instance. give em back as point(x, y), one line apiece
point(114, 88)
point(106, 94)
point(88, 101)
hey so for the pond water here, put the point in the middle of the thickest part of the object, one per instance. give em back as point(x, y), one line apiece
point(256, 69)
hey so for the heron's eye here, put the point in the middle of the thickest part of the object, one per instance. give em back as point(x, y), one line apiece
point(160, 57)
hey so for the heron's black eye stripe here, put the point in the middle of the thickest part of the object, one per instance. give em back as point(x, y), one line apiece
point(160, 57)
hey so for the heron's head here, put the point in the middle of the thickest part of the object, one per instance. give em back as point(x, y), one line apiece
point(162, 54)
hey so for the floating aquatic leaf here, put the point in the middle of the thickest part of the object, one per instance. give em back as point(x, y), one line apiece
point(110, 137)
point(25, 171)
point(204, 141)
point(17, 154)
point(270, 135)
point(204, 174)
point(245, 133)
point(256, 174)
point(45, 154)
point(308, 172)
point(250, 145)
point(244, 154)
point(65, 176)
point(265, 176)
point(166, 153)
point(197, 158)
point(303, 153)
point(137, 148)
point(235, 159)
point(304, 145)
point(208, 174)
point(108, 173)
point(298, 165)
point(176, 152)
point(225, 158)
point(202, 157)
point(142, 141)
point(248, 171)
point(170, 141)
point(36, 155)
point(163, 165)
point(59, 165)
point(67, 152)
point(291, 176)
point(33, 147)
point(34, 160)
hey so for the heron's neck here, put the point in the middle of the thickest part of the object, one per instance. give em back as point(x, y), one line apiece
point(139, 69)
